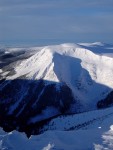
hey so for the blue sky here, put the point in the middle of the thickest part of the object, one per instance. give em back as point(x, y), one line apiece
point(42, 22)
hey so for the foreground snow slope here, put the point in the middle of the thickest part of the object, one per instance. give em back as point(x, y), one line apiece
point(85, 68)
point(98, 135)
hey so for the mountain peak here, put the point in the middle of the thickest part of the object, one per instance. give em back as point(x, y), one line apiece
point(87, 73)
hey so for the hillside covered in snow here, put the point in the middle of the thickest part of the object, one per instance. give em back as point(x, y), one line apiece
point(97, 135)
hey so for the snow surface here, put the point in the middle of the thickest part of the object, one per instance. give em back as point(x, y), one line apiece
point(84, 67)
point(98, 136)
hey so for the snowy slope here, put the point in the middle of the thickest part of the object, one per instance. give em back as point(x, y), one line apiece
point(78, 121)
point(85, 69)
point(98, 136)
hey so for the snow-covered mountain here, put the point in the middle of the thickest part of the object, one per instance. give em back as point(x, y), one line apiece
point(43, 82)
